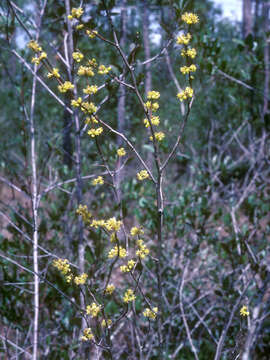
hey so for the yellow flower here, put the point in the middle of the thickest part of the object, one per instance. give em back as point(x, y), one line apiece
point(136, 231)
point(91, 120)
point(190, 18)
point(244, 311)
point(98, 181)
point(153, 95)
point(93, 309)
point(53, 73)
point(62, 265)
point(113, 224)
point(89, 90)
point(151, 106)
point(87, 335)
point(84, 213)
point(109, 289)
point(151, 314)
point(95, 132)
point(183, 39)
point(67, 85)
point(92, 33)
point(154, 121)
point(81, 279)
point(128, 267)
point(89, 108)
point(188, 69)
point(37, 60)
point(79, 27)
point(183, 95)
point(159, 136)
point(75, 13)
point(77, 56)
point(102, 69)
point(143, 174)
point(76, 103)
point(117, 251)
point(85, 71)
point(97, 223)
point(129, 296)
point(121, 152)
point(33, 45)
point(105, 323)
point(143, 250)
point(192, 53)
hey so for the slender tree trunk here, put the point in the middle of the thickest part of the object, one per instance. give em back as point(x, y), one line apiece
point(67, 142)
point(266, 56)
point(247, 17)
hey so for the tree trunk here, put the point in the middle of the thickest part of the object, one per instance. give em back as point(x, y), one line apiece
point(247, 17)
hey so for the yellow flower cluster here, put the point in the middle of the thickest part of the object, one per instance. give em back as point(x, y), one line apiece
point(98, 181)
point(90, 90)
point(95, 132)
point(76, 103)
point(153, 95)
point(87, 335)
point(53, 73)
point(188, 69)
point(190, 18)
point(75, 13)
point(77, 56)
point(91, 120)
point(117, 251)
point(121, 152)
point(109, 289)
point(154, 121)
point(136, 231)
point(67, 85)
point(81, 279)
point(102, 69)
point(159, 136)
point(112, 224)
point(183, 95)
point(106, 323)
point(88, 107)
point(80, 26)
point(143, 250)
point(244, 311)
point(151, 314)
point(34, 46)
point(97, 223)
point(92, 33)
point(84, 213)
point(183, 39)
point(142, 175)
point(129, 296)
point(85, 71)
point(128, 267)
point(36, 60)
point(63, 266)
point(153, 106)
point(93, 309)
point(191, 52)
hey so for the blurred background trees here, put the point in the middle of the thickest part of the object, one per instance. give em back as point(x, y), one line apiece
point(217, 186)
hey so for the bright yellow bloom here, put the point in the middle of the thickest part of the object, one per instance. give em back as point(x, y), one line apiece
point(105, 323)
point(91, 120)
point(85, 71)
point(81, 279)
point(62, 265)
point(98, 181)
point(190, 18)
point(75, 13)
point(37, 60)
point(183, 95)
point(87, 335)
point(126, 268)
point(109, 289)
point(77, 56)
point(92, 33)
point(187, 69)
point(95, 132)
point(159, 136)
point(97, 223)
point(54, 73)
point(76, 103)
point(154, 121)
point(143, 174)
point(80, 26)
point(93, 62)
point(93, 309)
point(117, 251)
point(151, 314)
point(183, 39)
point(102, 69)
point(151, 106)
point(33, 45)
point(153, 95)
point(67, 85)
point(84, 213)
point(136, 231)
point(244, 311)
point(192, 53)
point(89, 108)
point(143, 250)
point(121, 152)
point(113, 224)
point(129, 296)
point(90, 90)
